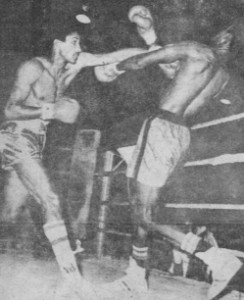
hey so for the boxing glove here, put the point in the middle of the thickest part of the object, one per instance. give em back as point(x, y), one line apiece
point(141, 16)
point(107, 73)
point(65, 110)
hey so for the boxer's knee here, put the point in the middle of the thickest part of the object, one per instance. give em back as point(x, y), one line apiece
point(142, 215)
point(143, 203)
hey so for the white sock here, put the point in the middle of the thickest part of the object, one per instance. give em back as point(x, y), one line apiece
point(57, 235)
point(140, 254)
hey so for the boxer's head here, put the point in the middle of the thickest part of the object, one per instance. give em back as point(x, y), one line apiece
point(141, 16)
point(62, 34)
point(68, 49)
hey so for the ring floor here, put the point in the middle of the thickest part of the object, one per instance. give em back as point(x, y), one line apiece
point(23, 277)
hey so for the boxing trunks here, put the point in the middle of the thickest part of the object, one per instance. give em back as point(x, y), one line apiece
point(162, 143)
point(30, 137)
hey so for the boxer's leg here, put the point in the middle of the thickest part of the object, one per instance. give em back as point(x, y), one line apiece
point(134, 282)
point(143, 199)
point(225, 266)
point(15, 195)
point(161, 145)
point(35, 179)
point(159, 148)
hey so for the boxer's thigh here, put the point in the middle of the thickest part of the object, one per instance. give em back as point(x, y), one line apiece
point(34, 177)
point(15, 195)
point(164, 148)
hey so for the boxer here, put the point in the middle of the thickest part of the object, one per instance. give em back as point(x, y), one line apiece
point(37, 97)
point(198, 75)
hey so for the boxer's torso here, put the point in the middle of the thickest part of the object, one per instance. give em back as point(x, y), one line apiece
point(196, 79)
point(46, 88)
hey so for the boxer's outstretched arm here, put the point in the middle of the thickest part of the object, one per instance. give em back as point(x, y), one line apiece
point(91, 60)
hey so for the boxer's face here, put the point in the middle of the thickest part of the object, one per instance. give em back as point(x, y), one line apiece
point(70, 48)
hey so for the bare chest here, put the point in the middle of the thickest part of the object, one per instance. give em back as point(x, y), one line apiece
point(46, 88)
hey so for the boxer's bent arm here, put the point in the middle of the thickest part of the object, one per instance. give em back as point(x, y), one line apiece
point(16, 107)
point(184, 51)
point(167, 55)
point(92, 60)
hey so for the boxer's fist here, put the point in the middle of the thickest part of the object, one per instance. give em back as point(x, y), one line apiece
point(66, 110)
point(107, 73)
point(141, 16)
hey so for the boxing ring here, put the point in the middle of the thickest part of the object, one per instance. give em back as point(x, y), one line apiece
point(178, 210)
point(109, 166)
point(84, 160)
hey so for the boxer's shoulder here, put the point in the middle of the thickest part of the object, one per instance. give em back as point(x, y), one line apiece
point(31, 68)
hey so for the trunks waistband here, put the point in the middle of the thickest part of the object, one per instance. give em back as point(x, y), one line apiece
point(169, 116)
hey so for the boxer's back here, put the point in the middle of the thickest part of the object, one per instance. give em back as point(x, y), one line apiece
point(198, 65)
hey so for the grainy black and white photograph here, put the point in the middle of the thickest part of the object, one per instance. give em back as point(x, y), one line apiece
point(122, 149)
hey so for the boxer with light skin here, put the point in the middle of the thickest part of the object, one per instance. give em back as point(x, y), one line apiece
point(37, 97)
point(197, 76)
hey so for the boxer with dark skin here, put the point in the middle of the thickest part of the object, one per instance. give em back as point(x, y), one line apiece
point(37, 97)
point(198, 75)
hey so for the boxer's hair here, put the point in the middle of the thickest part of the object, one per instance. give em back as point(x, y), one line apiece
point(59, 29)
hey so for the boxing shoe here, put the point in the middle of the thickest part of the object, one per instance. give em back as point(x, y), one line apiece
point(224, 266)
point(133, 285)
